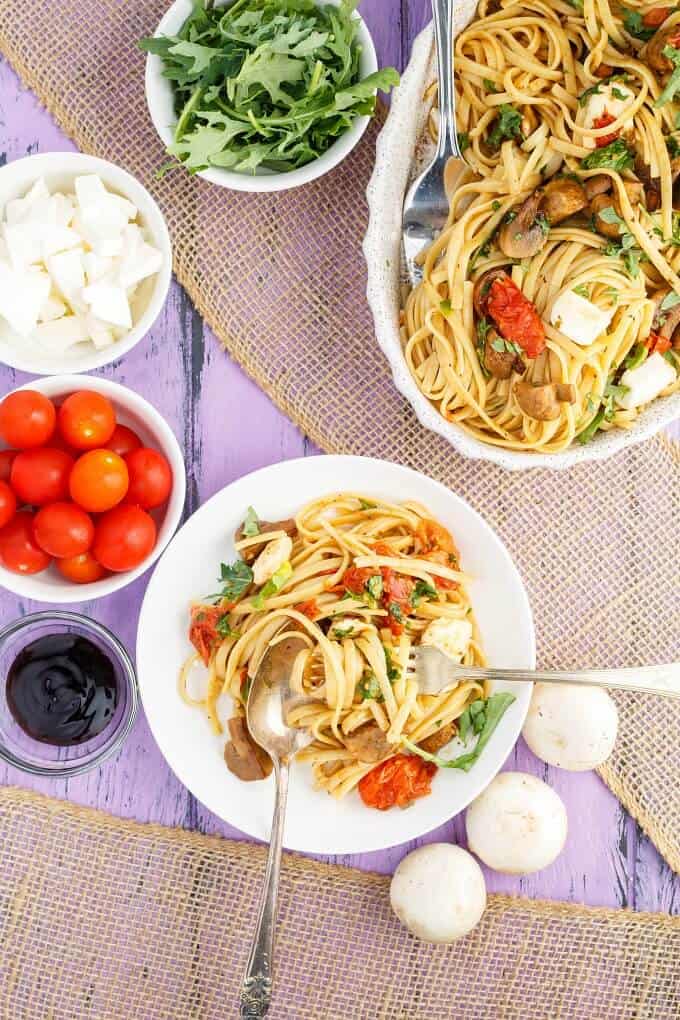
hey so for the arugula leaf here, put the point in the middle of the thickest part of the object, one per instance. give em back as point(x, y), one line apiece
point(632, 22)
point(673, 83)
point(251, 524)
point(365, 90)
point(492, 711)
point(636, 356)
point(235, 579)
point(615, 156)
point(506, 125)
point(628, 252)
point(422, 590)
point(670, 301)
point(589, 431)
point(274, 584)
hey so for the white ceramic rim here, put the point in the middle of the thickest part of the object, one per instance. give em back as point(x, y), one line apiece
point(49, 586)
point(382, 250)
point(54, 164)
point(182, 732)
point(159, 100)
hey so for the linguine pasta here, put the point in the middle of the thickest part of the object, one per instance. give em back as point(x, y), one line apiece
point(568, 119)
point(362, 582)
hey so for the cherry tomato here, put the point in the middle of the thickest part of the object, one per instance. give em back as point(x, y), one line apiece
point(87, 420)
point(602, 121)
point(124, 537)
point(6, 458)
point(657, 343)
point(63, 529)
point(99, 480)
point(203, 632)
point(18, 549)
point(150, 478)
point(27, 419)
point(656, 17)
point(399, 780)
point(81, 569)
point(8, 504)
point(41, 476)
point(516, 316)
point(123, 441)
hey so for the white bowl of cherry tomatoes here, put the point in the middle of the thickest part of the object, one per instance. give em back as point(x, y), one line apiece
point(92, 488)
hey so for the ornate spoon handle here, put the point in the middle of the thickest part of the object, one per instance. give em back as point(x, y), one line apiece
point(256, 990)
point(442, 14)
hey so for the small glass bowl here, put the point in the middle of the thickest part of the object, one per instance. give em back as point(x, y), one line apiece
point(41, 759)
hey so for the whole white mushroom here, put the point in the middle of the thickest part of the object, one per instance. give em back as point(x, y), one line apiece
point(517, 825)
point(438, 892)
point(570, 726)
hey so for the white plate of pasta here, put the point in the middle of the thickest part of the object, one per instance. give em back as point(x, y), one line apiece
point(363, 559)
point(545, 331)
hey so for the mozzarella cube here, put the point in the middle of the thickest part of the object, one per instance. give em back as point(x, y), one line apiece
point(63, 209)
point(59, 335)
point(68, 275)
point(52, 309)
point(614, 98)
point(57, 238)
point(18, 209)
point(23, 245)
point(139, 263)
point(100, 333)
point(96, 266)
point(22, 295)
point(646, 381)
point(89, 188)
point(579, 319)
point(452, 637)
point(108, 302)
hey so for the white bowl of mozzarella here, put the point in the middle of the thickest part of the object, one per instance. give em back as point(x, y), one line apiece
point(85, 263)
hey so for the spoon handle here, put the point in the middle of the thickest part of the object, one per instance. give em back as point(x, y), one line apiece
point(256, 990)
point(442, 11)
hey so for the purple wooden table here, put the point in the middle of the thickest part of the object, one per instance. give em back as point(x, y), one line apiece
point(182, 370)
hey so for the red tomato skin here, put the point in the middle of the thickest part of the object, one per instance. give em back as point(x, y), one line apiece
point(99, 480)
point(150, 478)
point(63, 530)
point(600, 122)
point(27, 419)
point(18, 550)
point(655, 343)
point(123, 538)
point(656, 16)
point(86, 420)
point(8, 504)
point(41, 476)
point(398, 781)
point(516, 317)
point(203, 632)
point(6, 460)
point(123, 441)
point(82, 569)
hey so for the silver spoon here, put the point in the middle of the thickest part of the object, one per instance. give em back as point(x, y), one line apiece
point(269, 702)
point(426, 206)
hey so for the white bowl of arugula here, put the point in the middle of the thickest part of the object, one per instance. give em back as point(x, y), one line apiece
point(262, 95)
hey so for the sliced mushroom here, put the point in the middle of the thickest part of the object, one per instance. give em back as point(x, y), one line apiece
point(562, 197)
point(524, 235)
point(652, 185)
point(368, 742)
point(482, 287)
point(666, 323)
point(500, 363)
point(543, 402)
point(635, 192)
point(440, 739)
point(598, 204)
point(246, 759)
point(653, 53)
point(597, 185)
point(251, 552)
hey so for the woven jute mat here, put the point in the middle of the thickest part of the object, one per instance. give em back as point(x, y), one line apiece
point(102, 919)
point(280, 278)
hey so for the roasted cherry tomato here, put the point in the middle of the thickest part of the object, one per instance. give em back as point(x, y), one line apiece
point(27, 419)
point(203, 632)
point(6, 459)
point(124, 537)
point(399, 780)
point(310, 609)
point(63, 529)
point(354, 579)
point(41, 476)
point(150, 478)
point(99, 480)
point(655, 343)
point(515, 316)
point(81, 569)
point(656, 17)
point(602, 121)
point(19, 551)
point(123, 441)
point(86, 420)
point(8, 504)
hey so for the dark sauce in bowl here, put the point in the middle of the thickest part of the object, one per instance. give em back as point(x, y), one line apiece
point(62, 690)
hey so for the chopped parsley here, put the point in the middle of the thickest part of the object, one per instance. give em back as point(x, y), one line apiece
point(495, 205)
point(542, 222)
point(251, 524)
point(507, 125)
point(635, 356)
point(422, 590)
point(583, 290)
point(393, 671)
point(374, 587)
point(673, 146)
point(615, 156)
point(606, 412)
point(673, 83)
point(612, 392)
point(445, 307)
point(365, 504)
point(396, 612)
point(628, 252)
point(489, 85)
point(504, 346)
point(633, 24)
point(464, 141)
point(368, 688)
point(224, 629)
point(619, 94)
point(594, 90)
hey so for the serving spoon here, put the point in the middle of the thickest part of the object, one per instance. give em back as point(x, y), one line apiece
point(269, 703)
point(426, 206)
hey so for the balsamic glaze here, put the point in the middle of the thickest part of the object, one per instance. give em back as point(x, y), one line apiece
point(61, 689)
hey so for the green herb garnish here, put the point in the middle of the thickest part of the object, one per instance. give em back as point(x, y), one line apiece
point(365, 504)
point(251, 524)
point(490, 713)
point(615, 156)
point(224, 629)
point(393, 671)
point(507, 125)
point(463, 141)
point(235, 578)
point(583, 290)
point(632, 22)
point(374, 586)
point(274, 584)
point(422, 590)
point(368, 687)
point(445, 306)
point(635, 356)
point(673, 83)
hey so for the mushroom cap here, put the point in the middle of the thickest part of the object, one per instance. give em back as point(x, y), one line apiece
point(517, 825)
point(570, 726)
point(438, 892)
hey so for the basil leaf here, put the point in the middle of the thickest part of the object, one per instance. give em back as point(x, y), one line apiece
point(493, 710)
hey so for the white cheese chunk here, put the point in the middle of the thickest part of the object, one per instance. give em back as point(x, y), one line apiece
point(52, 309)
point(136, 265)
point(612, 97)
point(100, 333)
point(23, 245)
point(22, 295)
point(56, 238)
point(89, 188)
point(68, 275)
point(452, 637)
point(18, 209)
point(96, 266)
point(646, 381)
point(579, 319)
point(59, 335)
point(108, 302)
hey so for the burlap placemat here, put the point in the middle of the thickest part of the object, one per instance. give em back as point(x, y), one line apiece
point(111, 920)
point(280, 278)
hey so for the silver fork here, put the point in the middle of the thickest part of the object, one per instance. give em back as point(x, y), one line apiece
point(433, 670)
point(426, 205)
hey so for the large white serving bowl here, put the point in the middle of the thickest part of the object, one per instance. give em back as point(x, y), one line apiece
point(141, 416)
point(60, 170)
point(160, 101)
point(395, 150)
point(317, 822)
